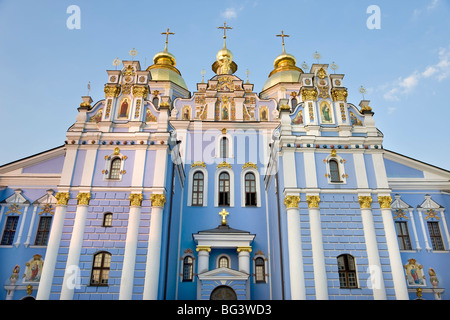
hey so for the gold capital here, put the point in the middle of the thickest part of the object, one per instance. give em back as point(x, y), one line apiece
point(365, 202)
point(140, 92)
point(244, 249)
point(83, 198)
point(62, 198)
point(136, 199)
point(203, 248)
point(158, 200)
point(292, 201)
point(309, 94)
point(385, 202)
point(112, 91)
point(313, 201)
point(339, 94)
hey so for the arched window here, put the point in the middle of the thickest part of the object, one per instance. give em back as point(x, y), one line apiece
point(224, 262)
point(155, 102)
point(293, 103)
point(100, 269)
point(260, 270)
point(334, 171)
point(114, 172)
point(107, 219)
point(224, 189)
point(188, 268)
point(347, 271)
point(197, 189)
point(250, 189)
point(224, 147)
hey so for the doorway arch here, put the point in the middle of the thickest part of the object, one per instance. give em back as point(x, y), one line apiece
point(223, 293)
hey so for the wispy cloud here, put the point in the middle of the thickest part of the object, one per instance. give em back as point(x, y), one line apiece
point(432, 4)
point(404, 85)
point(229, 13)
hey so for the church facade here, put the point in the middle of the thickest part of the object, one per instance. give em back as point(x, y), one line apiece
point(223, 193)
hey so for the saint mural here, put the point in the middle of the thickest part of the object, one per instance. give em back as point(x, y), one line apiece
point(123, 110)
point(325, 112)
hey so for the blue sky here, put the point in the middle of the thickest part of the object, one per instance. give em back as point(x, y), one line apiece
point(404, 65)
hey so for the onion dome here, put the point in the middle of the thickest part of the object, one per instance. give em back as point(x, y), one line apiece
point(285, 70)
point(163, 69)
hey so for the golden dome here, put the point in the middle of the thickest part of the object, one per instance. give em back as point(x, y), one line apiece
point(284, 70)
point(224, 63)
point(163, 69)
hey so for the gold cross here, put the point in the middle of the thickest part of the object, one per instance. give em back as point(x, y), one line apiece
point(282, 35)
point(167, 33)
point(223, 213)
point(225, 28)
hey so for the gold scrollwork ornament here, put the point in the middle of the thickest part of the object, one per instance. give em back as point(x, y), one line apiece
point(62, 198)
point(313, 201)
point(83, 198)
point(136, 199)
point(365, 202)
point(158, 200)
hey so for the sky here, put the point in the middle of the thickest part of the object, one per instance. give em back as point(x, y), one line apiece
point(399, 52)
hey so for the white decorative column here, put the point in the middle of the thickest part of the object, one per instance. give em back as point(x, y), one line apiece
point(53, 246)
point(376, 275)
point(244, 259)
point(76, 242)
point(203, 258)
point(398, 276)
point(154, 248)
point(320, 274)
point(297, 278)
point(129, 259)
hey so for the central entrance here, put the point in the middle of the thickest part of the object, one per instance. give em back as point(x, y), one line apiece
point(223, 293)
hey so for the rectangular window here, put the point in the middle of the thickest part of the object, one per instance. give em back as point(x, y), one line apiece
point(404, 241)
point(435, 235)
point(10, 230)
point(43, 231)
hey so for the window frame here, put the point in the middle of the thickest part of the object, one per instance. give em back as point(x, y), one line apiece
point(250, 195)
point(190, 265)
point(223, 257)
point(10, 231)
point(216, 185)
point(435, 237)
point(44, 232)
point(340, 168)
point(196, 168)
point(107, 217)
point(196, 185)
point(401, 236)
point(224, 196)
point(347, 271)
point(102, 268)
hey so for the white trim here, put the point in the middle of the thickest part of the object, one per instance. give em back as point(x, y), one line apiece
point(257, 186)
point(205, 185)
point(216, 186)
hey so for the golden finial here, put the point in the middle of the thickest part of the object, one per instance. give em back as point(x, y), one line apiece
point(203, 75)
point(133, 52)
point(223, 213)
point(334, 67)
point(363, 91)
point(167, 33)
point(225, 28)
point(282, 35)
point(116, 62)
point(317, 56)
point(305, 66)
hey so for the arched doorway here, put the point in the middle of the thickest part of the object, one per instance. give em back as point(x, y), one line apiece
point(223, 293)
